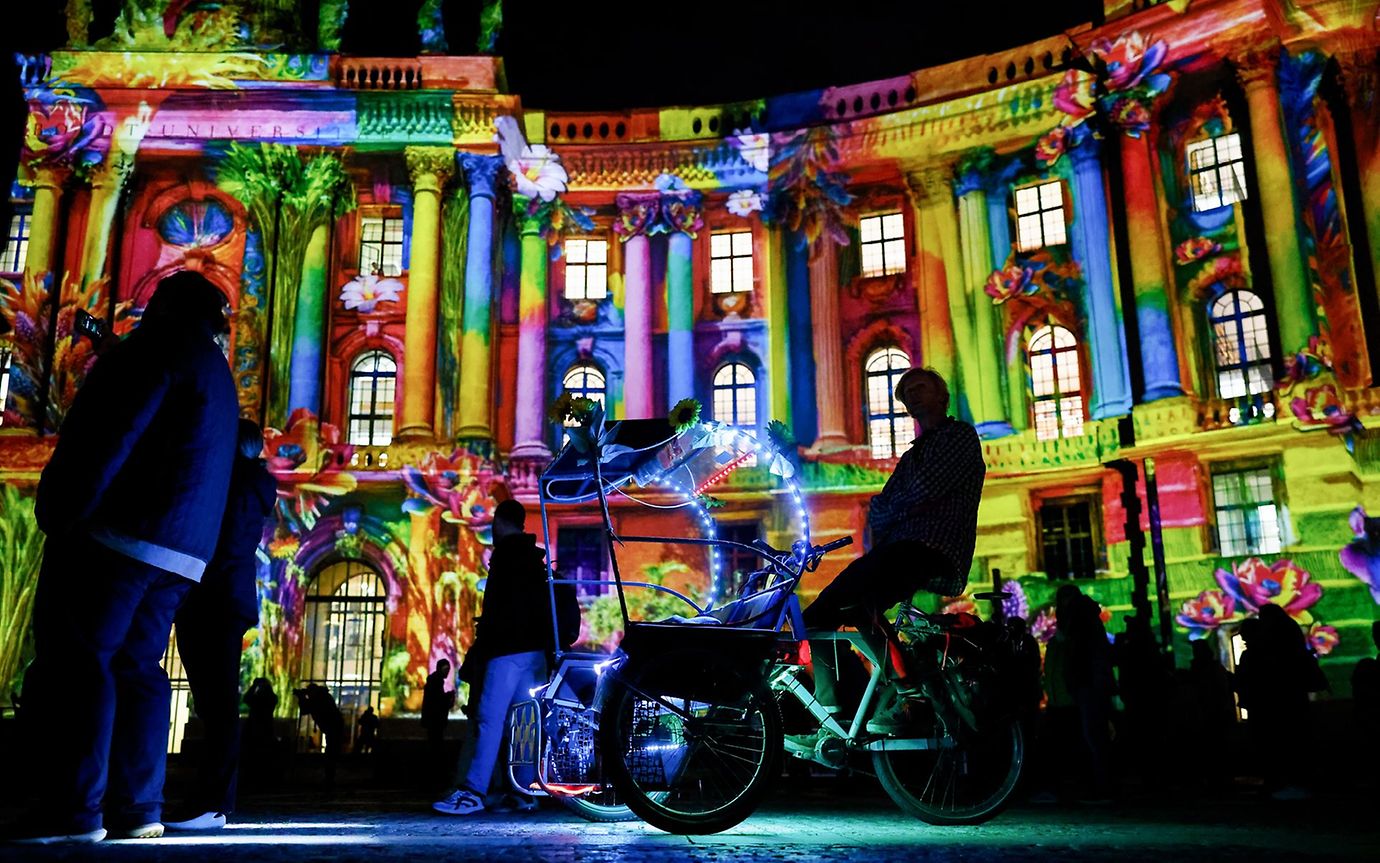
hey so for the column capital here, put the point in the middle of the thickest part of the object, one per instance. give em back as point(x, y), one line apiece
point(113, 172)
point(429, 167)
point(931, 183)
point(52, 177)
point(637, 213)
point(682, 211)
point(1256, 67)
point(532, 217)
point(1358, 73)
point(481, 173)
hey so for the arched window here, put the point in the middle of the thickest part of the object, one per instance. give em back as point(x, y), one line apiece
point(585, 379)
point(1056, 383)
point(345, 622)
point(889, 428)
point(735, 396)
point(1241, 344)
point(373, 384)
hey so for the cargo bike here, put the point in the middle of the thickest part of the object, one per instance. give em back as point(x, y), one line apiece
point(681, 726)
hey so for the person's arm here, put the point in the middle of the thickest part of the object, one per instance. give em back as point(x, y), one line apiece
point(109, 415)
point(955, 456)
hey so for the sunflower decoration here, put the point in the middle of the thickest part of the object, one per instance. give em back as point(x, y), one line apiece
point(582, 417)
point(685, 415)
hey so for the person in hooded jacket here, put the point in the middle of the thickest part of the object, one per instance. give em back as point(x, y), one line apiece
point(512, 639)
point(131, 502)
point(210, 632)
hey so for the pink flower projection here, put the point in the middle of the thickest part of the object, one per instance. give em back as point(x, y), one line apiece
point(1361, 556)
point(1249, 586)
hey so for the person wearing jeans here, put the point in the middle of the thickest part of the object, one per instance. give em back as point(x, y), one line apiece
point(508, 657)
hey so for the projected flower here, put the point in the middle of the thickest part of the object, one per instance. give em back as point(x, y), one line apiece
point(365, 292)
point(755, 148)
point(1205, 612)
point(459, 485)
point(1052, 145)
point(1361, 556)
point(196, 224)
point(1045, 624)
point(1017, 604)
point(1253, 583)
point(1131, 62)
point(1131, 115)
point(744, 202)
point(1074, 96)
point(63, 128)
point(535, 168)
point(1322, 406)
point(1013, 280)
point(1195, 249)
point(1322, 639)
point(308, 460)
point(1307, 363)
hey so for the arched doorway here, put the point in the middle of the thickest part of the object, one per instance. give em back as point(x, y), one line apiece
point(344, 622)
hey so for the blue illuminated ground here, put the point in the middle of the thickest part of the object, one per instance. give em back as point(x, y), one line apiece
point(827, 821)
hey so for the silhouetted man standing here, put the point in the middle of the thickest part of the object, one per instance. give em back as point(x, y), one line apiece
point(131, 502)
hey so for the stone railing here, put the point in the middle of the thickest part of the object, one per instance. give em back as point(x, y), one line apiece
point(1023, 452)
point(1215, 413)
point(372, 458)
point(380, 73)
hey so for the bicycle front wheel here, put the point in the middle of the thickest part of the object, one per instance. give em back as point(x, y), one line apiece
point(966, 783)
point(696, 757)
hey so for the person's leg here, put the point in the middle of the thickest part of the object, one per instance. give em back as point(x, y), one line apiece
point(835, 606)
point(139, 751)
point(502, 680)
point(210, 644)
point(85, 602)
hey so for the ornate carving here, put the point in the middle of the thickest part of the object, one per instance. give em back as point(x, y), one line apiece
point(682, 210)
point(931, 184)
point(481, 173)
point(429, 167)
point(1258, 67)
point(1359, 77)
point(637, 214)
point(113, 172)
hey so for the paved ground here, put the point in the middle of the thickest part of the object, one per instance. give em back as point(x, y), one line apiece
point(824, 822)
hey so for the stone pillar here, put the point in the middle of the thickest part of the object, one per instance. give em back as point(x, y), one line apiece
point(429, 168)
point(1159, 352)
point(47, 184)
point(530, 410)
point(1090, 239)
point(477, 318)
point(1015, 387)
point(986, 402)
point(827, 335)
point(638, 211)
point(309, 327)
point(804, 419)
point(936, 234)
point(778, 360)
point(680, 294)
point(1360, 82)
point(29, 362)
point(107, 182)
point(1295, 310)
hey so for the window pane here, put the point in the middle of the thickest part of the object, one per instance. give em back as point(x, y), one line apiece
point(596, 281)
point(720, 245)
point(575, 251)
point(1046, 420)
point(1027, 200)
point(742, 274)
point(575, 281)
point(872, 262)
point(1054, 228)
point(1028, 233)
point(878, 433)
point(893, 226)
point(895, 254)
point(742, 243)
point(870, 229)
point(1042, 374)
point(371, 229)
point(1051, 197)
point(721, 275)
point(598, 251)
point(1071, 411)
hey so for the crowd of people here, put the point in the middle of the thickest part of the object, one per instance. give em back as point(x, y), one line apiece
point(155, 501)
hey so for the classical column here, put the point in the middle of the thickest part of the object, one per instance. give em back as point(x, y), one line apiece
point(309, 327)
point(429, 168)
point(529, 418)
point(986, 402)
point(776, 292)
point(799, 342)
point(477, 317)
point(29, 364)
point(47, 184)
point(683, 211)
point(936, 247)
point(1359, 76)
point(1014, 384)
point(827, 336)
point(637, 212)
point(1091, 242)
point(1159, 353)
point(107, 182)
point(1295, 310)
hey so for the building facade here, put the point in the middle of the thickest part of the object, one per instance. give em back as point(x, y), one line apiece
point(1147, 249)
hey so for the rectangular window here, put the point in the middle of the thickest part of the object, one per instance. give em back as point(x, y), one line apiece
point(883, 244)
point(17, 249)
point(1248, 515)
point(730, 262)
point(586, 269)
point(739, 563)
point(582, 555)
point(1069, 537)
point(380, 245)
point(1216, 172)
point(1040, 217)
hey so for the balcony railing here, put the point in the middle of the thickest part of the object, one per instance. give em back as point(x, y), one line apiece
point(1252, 409)
point(371, 458)
point(380, 73)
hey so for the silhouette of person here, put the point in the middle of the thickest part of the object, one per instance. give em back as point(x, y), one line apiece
point(1210, 687)
point(131, 503)
point(1146, 687)
point(210, 633)
point(1276, 673)
point(1365, 693)
point(367, 731)
point(436, 706)
point(1087, 671)
point(316, 701)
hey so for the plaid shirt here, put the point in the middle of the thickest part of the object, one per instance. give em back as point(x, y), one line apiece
point(933, 498)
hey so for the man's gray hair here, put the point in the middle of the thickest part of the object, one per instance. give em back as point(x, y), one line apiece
point(908, 380)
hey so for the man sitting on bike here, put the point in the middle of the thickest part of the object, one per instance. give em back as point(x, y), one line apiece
point(923, 526)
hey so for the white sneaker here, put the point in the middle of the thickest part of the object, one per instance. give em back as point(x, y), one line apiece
point(151, 830)
point(204, 821)
point(58, 838)
point(460, 802)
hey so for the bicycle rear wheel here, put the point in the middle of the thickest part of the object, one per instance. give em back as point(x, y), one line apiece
point(601, 807)
point(967, 783)
point(692, 741)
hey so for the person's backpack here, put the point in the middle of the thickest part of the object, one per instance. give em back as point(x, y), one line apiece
point(567, 614)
